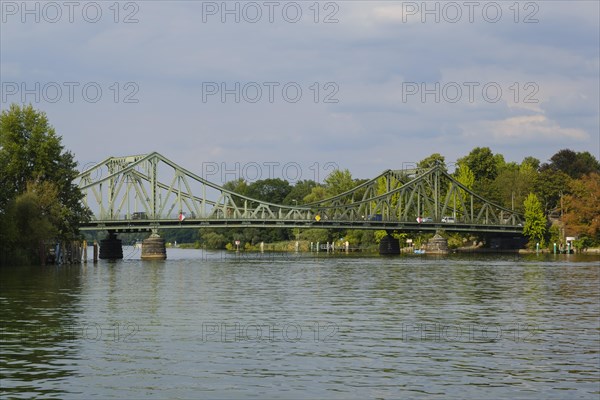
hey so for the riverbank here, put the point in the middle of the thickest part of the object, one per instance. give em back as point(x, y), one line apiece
point(303, 246)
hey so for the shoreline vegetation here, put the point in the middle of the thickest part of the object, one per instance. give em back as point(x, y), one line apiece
point(304, 247)
point(41, 206)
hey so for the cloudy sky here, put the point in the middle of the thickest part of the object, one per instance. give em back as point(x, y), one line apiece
point(364, 85)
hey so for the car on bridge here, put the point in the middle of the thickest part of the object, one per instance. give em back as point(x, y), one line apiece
point(448, 220)
point(139, 215)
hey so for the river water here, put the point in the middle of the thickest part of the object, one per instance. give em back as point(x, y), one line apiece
point(220, 325)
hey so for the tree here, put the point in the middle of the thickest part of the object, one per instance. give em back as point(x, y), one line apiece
point(339, 182)
point(271, 190)
point(485, 166)
point(535, 221)
point(464, 176)
point(238, 186)
point(513, 183)
point(573, 164)
point(300, 190)
point(336, 183)
point(532, 162)
point(582, 216)
point(34, 215)
point(549, 186)
point(317, 193)
point(432, 161)
point(482, 162)
point(35, 170)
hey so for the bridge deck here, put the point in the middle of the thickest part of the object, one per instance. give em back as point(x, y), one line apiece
point(143, 225)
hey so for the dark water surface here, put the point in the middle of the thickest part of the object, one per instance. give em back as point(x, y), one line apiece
point(216, 325)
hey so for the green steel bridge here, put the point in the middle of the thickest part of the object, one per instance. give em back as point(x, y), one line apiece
point(150, 192)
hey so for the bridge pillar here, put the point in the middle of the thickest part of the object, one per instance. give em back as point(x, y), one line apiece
point(437, 244)
point(154, 248)
point(389, 246)
point(111, 248)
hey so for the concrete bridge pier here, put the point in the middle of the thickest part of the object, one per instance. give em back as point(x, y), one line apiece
point(389, 246)
point(154, 248)
point(111, 247)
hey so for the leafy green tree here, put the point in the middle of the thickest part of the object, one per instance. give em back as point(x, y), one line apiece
point(535, 221)
point(299, 191)
point(464, 176)
point(339, 181)
point(573, 164)
point(317, 193)
point(35, 169)
point(336, 183)
point(549, 186)
point(485, 166)
point(432, 160)
point(513, 183)
point(532, 162)
point(213, 240)
point(271, 190)
point(482, 162)
point(239, 186)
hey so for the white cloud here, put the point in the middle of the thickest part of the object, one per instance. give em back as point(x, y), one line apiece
point(522, 129)
point(370, 53)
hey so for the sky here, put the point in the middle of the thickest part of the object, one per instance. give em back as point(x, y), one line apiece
point(278, 89)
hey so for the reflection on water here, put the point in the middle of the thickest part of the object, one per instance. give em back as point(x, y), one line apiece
point(221, 325)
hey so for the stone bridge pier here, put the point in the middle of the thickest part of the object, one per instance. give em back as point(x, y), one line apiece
point(154, 247)
point(111, 248)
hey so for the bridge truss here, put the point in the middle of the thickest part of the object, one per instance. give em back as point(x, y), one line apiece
point(149, 191)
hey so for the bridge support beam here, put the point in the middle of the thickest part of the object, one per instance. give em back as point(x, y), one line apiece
point(389, 246)
point(154, 248)
point(111, 247)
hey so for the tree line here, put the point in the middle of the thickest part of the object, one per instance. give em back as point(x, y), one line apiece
point(39, 202)
point(565, 188)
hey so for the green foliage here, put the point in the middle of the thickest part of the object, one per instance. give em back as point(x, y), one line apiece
point(238, 186)
point(299, 192)
point(432, 161)
point(315, 235)
point(549, 186)
point(271, 190)
point(482, 162)
point(535, 221)
point(336, 183)
point(464, 176)
point(513, 183)
point(317, 193)
point(554, 234)
point(339, 182)
point(583, 242)
point(213, 240)
point(35, 173)
point(532, 162)
point(573, 164)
